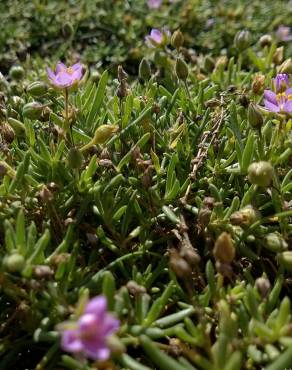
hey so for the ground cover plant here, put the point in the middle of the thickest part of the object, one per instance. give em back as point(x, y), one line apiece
point(145, 190)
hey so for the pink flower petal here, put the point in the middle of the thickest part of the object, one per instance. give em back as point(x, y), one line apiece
point(71, 342)
point(288, 107)
point(51, 74)
point(61, 67)
point(110, 325)
point(76, 66)
point(271, 107)
point(270, 96)
point(96, 306)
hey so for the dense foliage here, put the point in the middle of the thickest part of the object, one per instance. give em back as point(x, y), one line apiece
point(159, 180)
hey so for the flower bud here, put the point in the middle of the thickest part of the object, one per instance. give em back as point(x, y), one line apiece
point(32, 110)
point(144, 70)
point(224, 250)
point(278, 55)
point(285, 259)
point(16, 72)
point(258, 84)
point(37, 89)
point(221, 62)
point(242, 40)
point(275, 242)
point(209, 64)
point(265, 40)
point(263, 286)
point(67, 30)
point(260, 173)
point(181, 69)
point(75, 158)
point(245, 217)
point(286, 66)
point(14, 263)
point(177, 39)
point(254, 116)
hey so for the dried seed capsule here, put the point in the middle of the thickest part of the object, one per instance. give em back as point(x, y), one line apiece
point(224, 249)
point(258, 84)
point(278, 55)
point(7, 132)
point(260, 173)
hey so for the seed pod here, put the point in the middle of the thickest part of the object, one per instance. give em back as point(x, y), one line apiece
point(14, 263)
point(75, 158)
point(7, 132)
point(67, 30)
point(144, 70)
point(242, 40)
point(32, 110)
point(224, 250)
point(37, 89)
point(265, 40)
point(275, 242)
point(254, 116)
point(181, 69)
point(278, 55)
point(16, 72)
point(209, 64)
point(177, 39)
point(260, 173)
point(102, 134)
point(263, 286)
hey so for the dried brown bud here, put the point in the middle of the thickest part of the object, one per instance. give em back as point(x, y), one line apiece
point(265, 40)
point(46, 195)
point(179, 265)
point(190, 255)
point(7, 132)
point(258, 84)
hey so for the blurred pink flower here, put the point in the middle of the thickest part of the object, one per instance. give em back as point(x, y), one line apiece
point(65, 77)
point(154, 4)
point(89, 334)
point(283, 33)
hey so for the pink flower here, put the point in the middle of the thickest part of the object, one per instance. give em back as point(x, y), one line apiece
point(279, 103)
point(65, 77)
point(89, 334)
point(157, 37)
point(154, 4)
